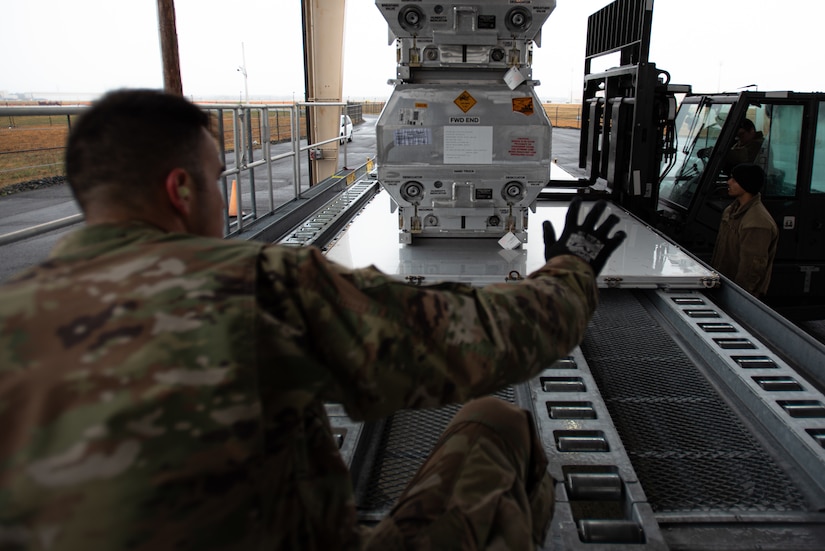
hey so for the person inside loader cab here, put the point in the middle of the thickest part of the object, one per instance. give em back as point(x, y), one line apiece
point(164, 388)
point(746, 148)
point(747, 239)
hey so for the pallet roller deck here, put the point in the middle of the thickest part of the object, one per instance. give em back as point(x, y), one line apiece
point(690, 417)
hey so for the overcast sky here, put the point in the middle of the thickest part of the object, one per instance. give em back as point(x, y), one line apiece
point(86, 47)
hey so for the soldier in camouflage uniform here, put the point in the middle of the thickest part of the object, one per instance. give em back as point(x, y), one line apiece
point(162, 388)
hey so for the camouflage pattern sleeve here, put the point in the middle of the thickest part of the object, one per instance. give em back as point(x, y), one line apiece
point(128, 417)
point(388, 345)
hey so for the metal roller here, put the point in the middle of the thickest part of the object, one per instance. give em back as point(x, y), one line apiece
point(571, 410)
point(702, 313)
point(563, 385)
point(778, 384)
point(717, 327)
point(610, 531)
point(803, 408)
point(755, 362)
point(574, 442)
point(594, 486)
point(565, 363)
point(692, 301)
point(735, 344)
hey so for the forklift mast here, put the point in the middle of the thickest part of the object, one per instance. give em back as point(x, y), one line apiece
point(627, 111)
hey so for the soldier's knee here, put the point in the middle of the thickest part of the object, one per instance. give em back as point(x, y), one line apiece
point(507, 420)
point(490, 408)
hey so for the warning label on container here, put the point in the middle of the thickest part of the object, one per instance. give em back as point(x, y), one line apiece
point(523, 106)
point(465, 101)
point(523, 147)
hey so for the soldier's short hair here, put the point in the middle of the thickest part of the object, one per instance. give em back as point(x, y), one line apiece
point(123, 147)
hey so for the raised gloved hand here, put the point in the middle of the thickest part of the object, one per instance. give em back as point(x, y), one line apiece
point(586, 241)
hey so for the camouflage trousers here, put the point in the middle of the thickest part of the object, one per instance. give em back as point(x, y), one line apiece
point(485, 486)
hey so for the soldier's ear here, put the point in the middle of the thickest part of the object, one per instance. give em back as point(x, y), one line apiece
point(178, 191)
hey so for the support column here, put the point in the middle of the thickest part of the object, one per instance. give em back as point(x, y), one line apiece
point(324, 68)
point(169, 47)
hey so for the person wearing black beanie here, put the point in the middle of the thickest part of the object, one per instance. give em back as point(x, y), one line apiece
point(747, 239)
point(750, 177)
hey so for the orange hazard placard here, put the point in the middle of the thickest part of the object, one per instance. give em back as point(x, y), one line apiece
point(465, 101)
point(523, 105)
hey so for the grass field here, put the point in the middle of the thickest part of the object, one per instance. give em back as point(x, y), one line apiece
point(564, 115)
point(31, 147)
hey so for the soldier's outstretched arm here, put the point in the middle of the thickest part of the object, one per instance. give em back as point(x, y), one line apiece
point(380, 345)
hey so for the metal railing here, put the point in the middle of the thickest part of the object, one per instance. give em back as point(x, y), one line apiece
point(253, 143)
point(245, 158)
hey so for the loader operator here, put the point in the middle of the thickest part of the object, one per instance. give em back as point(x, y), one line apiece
point(748, 235)
point(163, 388)
point(747, 146)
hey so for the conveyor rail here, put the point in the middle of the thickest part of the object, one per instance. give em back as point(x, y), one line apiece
point(328, 220)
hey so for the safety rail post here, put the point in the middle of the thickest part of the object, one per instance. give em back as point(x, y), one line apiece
point(296, 148)
point(240, 163)
point(265, 146)
point(249, 155)
point(345, 111)
point(224, 184)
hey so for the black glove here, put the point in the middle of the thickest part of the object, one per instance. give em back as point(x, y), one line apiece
point(586, 241)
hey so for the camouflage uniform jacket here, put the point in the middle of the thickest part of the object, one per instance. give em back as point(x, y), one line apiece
point(162, 390)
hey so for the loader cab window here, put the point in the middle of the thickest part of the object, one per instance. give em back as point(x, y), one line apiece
point(818, 176)
point(698, 126)
point(774, 134)
point(770, 137)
